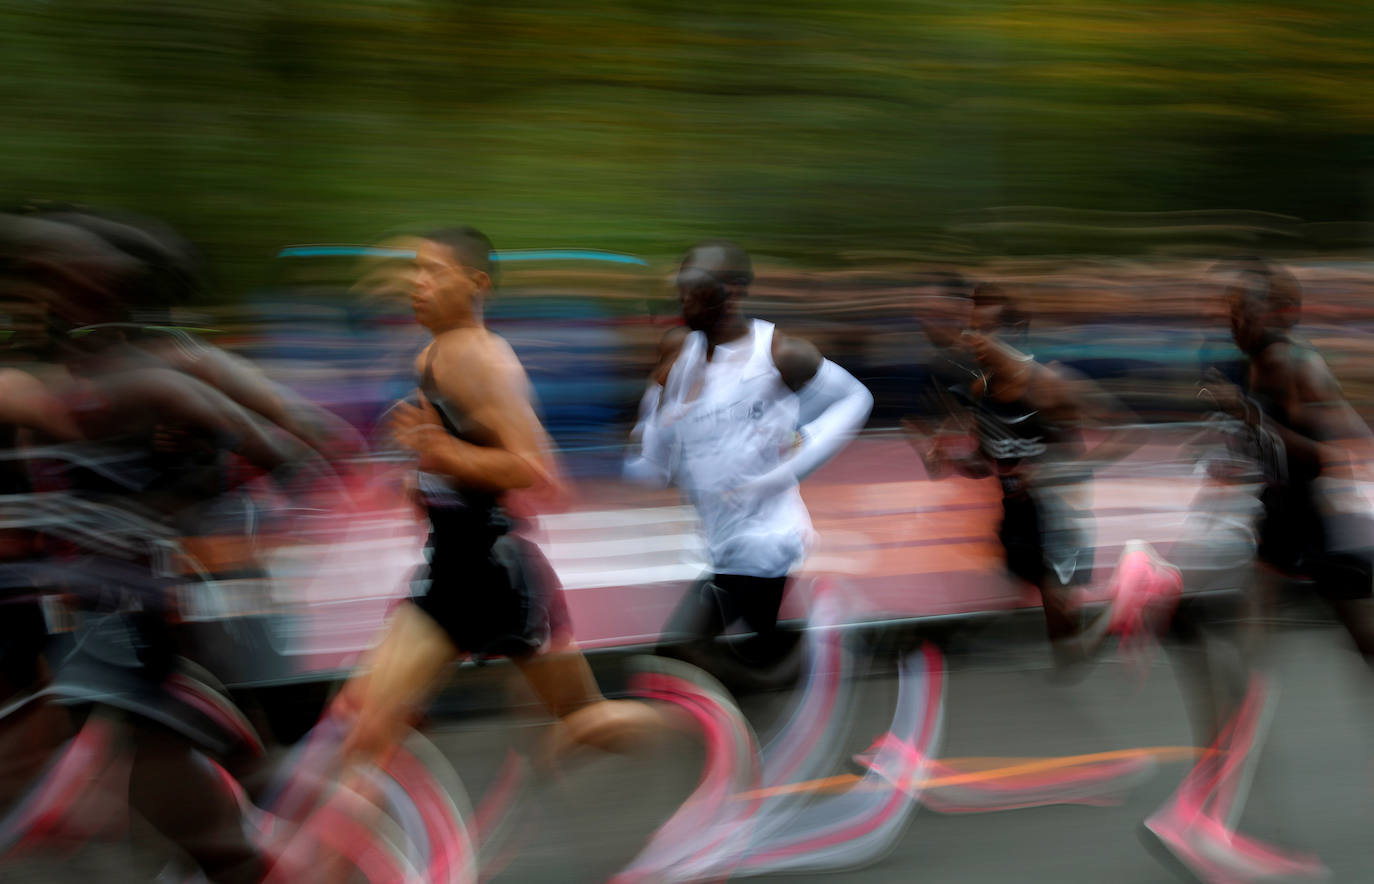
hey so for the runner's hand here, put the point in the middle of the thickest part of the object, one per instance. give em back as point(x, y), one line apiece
point(931, 447)
point(1228, 397)
point(419, 430)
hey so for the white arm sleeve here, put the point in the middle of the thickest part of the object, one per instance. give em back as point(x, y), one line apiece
point(650, 458)
point(834, 407)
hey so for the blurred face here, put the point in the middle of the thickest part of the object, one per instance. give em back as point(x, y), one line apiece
point(982, 335)
point(444, 291)
point(1249, 318)
point(706, 302)
point(944, 318)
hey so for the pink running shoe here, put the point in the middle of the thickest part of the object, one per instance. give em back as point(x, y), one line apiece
point(1145, 593)
point(1206, 850)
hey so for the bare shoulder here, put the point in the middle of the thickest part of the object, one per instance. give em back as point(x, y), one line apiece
point(18, 384)
point(500, 363)
point(672, 340)
point(22, 396)
point(669, 346)
point(797, 359)
point(1281, 362)
point(475, 368)
point(1314, 378)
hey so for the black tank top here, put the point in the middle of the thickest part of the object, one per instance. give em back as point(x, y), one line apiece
point(1013, 434)
point(441, 492)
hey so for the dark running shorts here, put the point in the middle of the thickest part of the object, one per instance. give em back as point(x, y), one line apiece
point(1041, 543)
point(493, 592)
point(1294, 537)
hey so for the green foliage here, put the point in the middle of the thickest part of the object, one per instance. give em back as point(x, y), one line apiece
point(807, 129)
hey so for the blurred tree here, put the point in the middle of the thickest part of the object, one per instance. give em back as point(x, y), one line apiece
point(807, 129)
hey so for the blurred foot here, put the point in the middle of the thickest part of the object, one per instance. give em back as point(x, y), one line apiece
point(1071, 657)
point(1146, 592)
point(1203, 849)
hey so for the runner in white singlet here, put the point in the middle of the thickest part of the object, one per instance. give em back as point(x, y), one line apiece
point(736, 415)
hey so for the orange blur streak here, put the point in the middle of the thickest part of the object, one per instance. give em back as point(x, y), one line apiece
point(1021, 767)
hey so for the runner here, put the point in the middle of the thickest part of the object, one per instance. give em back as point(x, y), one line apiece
point(1304, 431)
point(486, 591)
point(26, 407)
point(1027, 420)
point(1295, 425)
point(117, 498)
point(737, 414)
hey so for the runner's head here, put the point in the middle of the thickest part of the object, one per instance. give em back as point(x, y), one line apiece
point(454, 271)
point(997, 319)
point(1265, 302)
point(168, 270)
point(713, 277)
point(55, 277)
point(943, 308)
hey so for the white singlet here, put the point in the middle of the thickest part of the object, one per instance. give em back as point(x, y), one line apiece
point(733, 420)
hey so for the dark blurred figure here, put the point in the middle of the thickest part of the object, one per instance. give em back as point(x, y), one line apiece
point(737, 414)
point(130, 496)
point(223, 523)
point(169, 275)
point(1290, 424)
point(944, 318)
point(27, 735)
point(1026, 421)
point(1301, 431)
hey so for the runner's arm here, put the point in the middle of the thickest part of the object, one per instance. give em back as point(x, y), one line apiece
point(833, 405)
point(649, 460)
point(1087, 405)
point(26, 402)
point(498, 400)
point(1341, 434)
point(170, 396)
point(247, 386)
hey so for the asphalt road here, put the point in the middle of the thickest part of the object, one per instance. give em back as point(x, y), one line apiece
point(1314, 790)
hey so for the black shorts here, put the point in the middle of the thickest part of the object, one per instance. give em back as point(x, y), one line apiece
point(492, 592)
point(23, 636)
point(1295, 538)
point(127, 661)
point(714, 603)
point(1041, 543)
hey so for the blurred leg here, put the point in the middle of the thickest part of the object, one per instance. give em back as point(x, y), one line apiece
point(180, 795)
point(699, 618)
point(759, 599)
point(394, 682)
point(1357, 616)
point(564, 683)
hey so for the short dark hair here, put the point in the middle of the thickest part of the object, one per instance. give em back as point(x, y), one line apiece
point(990, 294)
point(470, 246)
point(1274, 284)
point(724, 261)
